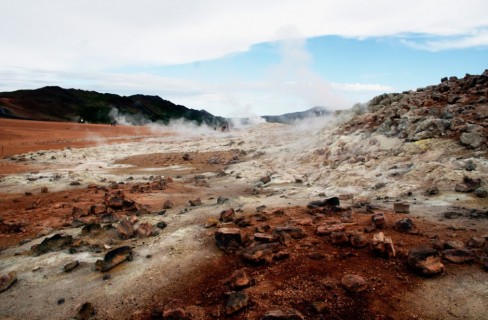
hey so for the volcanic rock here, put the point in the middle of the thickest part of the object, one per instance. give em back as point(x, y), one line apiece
point(222, 200)
point(86, 311)
point(472, 140)
point(264, 237)
point(339, 238)
point(401, 207)
point(196, 202)
point(281, 315)
point(176, 314)
point(324, 230)
point(481, 192)
point(330, 202)
point(145, 229)
point(168, 204)
point(97, 209)
point(476, 242)
point(259, 254)
point(187, 157)
point(379, 220)
point(6, 281)
point(294, 232)
point(354, 283)
point(453, 244)
point(458, 255)
point(115, 203)
point(237, 301)
point(469, 165)
point(358, 240)
point(239, 280)
point(55, 243)
point(432, 191)
point(452, 214)
point(383, 246)
point(405, 225)
point(227, 215)
point(228, 238)
point(161, 225)
point(425, 260)
point(265, 179)
point(114, 257)
point(90, 228)
point(125, 228)
point(71, 266)
point(468, 185)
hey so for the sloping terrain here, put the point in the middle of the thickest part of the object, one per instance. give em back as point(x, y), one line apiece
point(376, 213)
point(59, 104)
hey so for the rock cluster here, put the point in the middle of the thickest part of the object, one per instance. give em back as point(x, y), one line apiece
point(455, 108)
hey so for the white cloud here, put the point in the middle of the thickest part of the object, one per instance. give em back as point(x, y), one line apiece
point(362, 87)
point(477, 38)
point(94, 34)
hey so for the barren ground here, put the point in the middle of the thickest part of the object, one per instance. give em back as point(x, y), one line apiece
point(181, 266)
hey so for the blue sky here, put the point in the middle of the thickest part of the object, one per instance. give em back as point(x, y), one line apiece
point(242, 58)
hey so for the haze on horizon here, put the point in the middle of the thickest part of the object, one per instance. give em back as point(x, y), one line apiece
point(241, 58)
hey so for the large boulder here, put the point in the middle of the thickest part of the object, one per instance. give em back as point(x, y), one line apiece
point(54, 243)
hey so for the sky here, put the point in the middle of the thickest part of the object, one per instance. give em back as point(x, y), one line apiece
point(242, 58)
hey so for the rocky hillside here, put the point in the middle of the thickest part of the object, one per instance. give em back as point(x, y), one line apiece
point(58, 104)
point(289, 118)
point(455, 108)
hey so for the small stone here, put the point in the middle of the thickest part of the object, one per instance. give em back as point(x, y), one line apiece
point(339, 238)
point(161, 225)
point(236, 302)
point(227, 215)
point(264, 238)
point(358, 240)
point(458, 255)
point(125, 229)
point(468, 185)
point(168, 205)
point(282, 315)
point(61, 301)
point(239, 280)
point(86, 311)
point(187, 157)
point(476, 242)
point(175, 314)
point(228, 238)
point(294, 232)
point(432, 191)
point(265, 179)
point(222, 200)
point(71, 266)
point(259, 254)
point(44, 190)
point(401, 207)
point(379, 220)
point(144, 230)
point(325, 230)
point(405, 225)
point(115, 257)
point(330, 202)
point(196, 202)
point(425, 260)
point(452, 214)
point(6, 281)
point(481, 193)
point(54, 243)
point(383, 246)
point(354, 283)
point(453, 244)
point(469, 165)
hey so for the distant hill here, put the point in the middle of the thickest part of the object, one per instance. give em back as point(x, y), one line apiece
point(289, 118)
point(58, 104)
